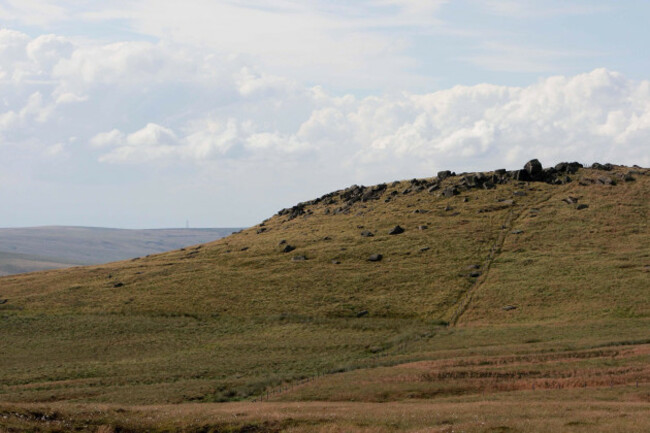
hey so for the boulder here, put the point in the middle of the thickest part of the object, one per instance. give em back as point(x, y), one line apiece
point(582, 206)
point(534, 168)
point(604, 167)
point(375, 258)
point(604, 180)
point(367, 234)
point(288, 248)
point(521, 175)
point(423, 227)
point(450, 191)
point(474, 274)
point(568, 167)
point(442, 175)
point(397, 230)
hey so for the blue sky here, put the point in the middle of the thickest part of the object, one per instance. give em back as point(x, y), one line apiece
point(146, 113)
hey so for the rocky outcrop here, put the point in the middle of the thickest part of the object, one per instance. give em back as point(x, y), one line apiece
point(448, 184)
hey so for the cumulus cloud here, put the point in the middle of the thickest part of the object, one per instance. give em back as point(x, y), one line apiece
point(109, 107)
point(599, 115)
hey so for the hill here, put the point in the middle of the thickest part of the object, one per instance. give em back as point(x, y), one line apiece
point(14, 263)
point(31, 249)
point(490, 294)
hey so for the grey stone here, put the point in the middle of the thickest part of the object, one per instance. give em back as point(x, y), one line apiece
point(375, 258)
point(533, 168)
point(367, 234)
point(397, 230)
point(288, 248)
point(582, 206)
point(299, 258)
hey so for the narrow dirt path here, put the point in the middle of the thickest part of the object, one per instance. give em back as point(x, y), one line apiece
point(513, 215)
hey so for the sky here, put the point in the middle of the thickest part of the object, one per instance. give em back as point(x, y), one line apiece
point(151, 113)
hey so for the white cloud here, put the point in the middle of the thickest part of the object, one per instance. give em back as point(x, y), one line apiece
point(600, 115)
point(532, 9)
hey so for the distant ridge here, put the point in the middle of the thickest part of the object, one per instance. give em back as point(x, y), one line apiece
point(51, 247)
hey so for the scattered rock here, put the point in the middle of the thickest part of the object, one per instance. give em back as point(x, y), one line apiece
point(517, 232)
point(288, 248)
point(448, 208)
point(604, 180)
point(582, 206)
point(336, 262)
point(261, 230)
point(509, 308)
point(375, 258)
point(423, 249)
point(362, 313)
point(118, 284)
point(450, 191)
point(519, 193)
point(244, 249)
point(327, 238)
point(3, 301)
point(604, 167)
point(474, 266)
point(299, 258)
point(627, 177)
point(465, 199)
point(367, 234)
point(570, 200)
point(282, 242)
point(397, 230)
point(434, 187)
point(474, 274)
point(423, 227)
point(442, 175)
point(568, 167)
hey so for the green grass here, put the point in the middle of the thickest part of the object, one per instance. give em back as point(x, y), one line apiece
point(232, 319)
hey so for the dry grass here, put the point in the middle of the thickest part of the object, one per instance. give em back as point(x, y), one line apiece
point(232, 319)
point(620, 409)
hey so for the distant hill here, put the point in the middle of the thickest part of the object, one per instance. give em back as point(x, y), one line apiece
point(40, 248)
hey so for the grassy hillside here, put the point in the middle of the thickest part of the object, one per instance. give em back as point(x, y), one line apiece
point(31, 249)
point(494, 279)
